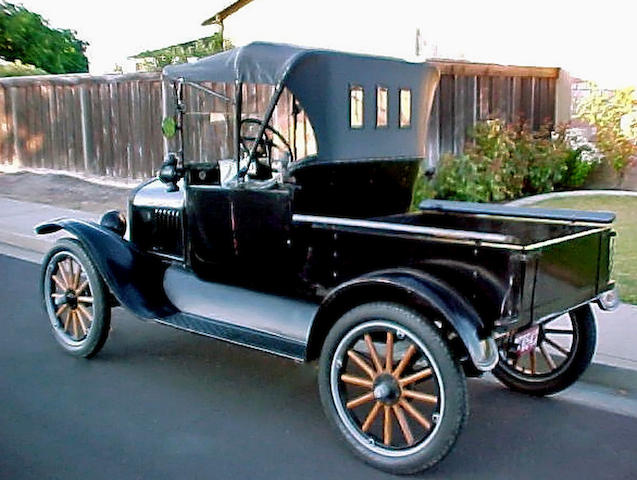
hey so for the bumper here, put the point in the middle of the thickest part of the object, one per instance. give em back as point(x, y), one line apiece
point(608, 300)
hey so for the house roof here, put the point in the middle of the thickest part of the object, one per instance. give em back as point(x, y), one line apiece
point(221, 15)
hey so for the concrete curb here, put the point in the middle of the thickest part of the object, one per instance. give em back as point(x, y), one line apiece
point(617, 378)
point(28, 242)
point(576, 193)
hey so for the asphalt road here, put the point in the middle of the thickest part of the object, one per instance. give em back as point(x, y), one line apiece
point(163, 404)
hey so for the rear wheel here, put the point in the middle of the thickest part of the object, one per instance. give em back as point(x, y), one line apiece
point(565, 348)
point(391, 388)
point(75, 299)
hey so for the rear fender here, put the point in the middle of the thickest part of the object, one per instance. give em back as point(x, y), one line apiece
point(416, 290)
point(134, 277)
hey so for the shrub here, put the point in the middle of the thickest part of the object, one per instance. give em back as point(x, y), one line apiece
point(613, 114)
point(503, 162)
point(18, 69)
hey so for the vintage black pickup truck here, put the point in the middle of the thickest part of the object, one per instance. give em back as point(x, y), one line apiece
point(315, 254)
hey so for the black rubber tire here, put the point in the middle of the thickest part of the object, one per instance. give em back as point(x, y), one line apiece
point(583, 321)
point(100, 326)
point(451, 376)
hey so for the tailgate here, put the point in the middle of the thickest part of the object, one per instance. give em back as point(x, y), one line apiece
point(571, 272)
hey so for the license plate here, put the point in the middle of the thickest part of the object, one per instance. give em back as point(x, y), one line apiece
point(526, 341)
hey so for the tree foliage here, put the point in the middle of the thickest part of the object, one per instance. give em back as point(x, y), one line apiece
point(202, 47)
point(614, 116)
point(26, 36)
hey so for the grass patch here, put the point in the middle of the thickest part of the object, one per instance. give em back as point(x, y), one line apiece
point(625, 272)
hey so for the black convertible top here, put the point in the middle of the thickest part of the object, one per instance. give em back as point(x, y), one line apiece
point(321, 80)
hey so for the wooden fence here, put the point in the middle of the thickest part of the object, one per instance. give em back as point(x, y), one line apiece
point(99, 125)
point(470, 92)
point(110, 125)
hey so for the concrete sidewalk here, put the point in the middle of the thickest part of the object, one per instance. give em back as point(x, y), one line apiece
point(17, 219)
point(615, 362)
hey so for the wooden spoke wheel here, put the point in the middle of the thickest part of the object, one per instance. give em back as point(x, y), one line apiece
point(564, 349)
point(75, 299)
point(391, 387)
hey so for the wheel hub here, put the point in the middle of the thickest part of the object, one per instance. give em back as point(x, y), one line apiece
point(71, 299)
point(386, 389)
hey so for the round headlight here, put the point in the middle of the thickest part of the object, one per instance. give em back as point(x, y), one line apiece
point(114, 221)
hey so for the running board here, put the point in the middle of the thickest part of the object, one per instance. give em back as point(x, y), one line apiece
point(267, 322)
point(238, 335)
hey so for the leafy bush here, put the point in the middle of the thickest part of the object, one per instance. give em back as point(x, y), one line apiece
point(613, 114)
point(503, 162)
point(18, 69)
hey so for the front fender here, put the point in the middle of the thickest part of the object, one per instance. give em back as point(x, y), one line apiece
point(421, 291)
point(134, 277)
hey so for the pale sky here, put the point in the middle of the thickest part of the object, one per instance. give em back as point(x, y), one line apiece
point(591, 39)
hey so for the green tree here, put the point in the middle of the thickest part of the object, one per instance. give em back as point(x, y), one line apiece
point(605, 111)
point(202, 47)
point(26, 36)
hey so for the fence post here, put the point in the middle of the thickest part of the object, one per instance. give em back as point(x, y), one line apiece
point(87, 143)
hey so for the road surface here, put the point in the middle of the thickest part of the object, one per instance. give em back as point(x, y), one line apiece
point(157, 403)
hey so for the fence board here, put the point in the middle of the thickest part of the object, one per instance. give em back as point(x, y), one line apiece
point(111, 125)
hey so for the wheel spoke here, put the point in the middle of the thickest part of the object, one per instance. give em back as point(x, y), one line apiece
point(361, 363)
point(64, 273)
point(74, 323)
point(405, 360)
point(415, 413)
point(556, 346)
point(414, 377)
point(85, 312)
point(387, 426)
point(368, 397)
point(558, 331)
point(61, 310)
point(373, 353)
point(533, 362)
point(373, 413)
point(81, 288)
point(404, 425)
point(358, 381)
point(547, 357)
point(81, 322)
point(76, 277)
point(67, 321)
point(58, 282)
point(389, 352)
point(423, 397)
point(85, 299)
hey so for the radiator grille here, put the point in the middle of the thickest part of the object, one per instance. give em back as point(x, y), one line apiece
point(167, 233)
point(159, 230)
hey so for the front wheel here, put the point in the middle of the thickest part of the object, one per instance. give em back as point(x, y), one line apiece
point(391, 388)
point(564, 349)
point(75, 299)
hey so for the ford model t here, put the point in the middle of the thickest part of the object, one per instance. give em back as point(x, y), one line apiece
point(288, 230)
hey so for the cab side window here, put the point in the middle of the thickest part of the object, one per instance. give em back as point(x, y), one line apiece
point(381, 107)
point(404, 108)
point(356, 107)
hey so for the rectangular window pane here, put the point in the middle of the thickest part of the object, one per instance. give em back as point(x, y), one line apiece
point(356, 107)
point(381, 107)
point(405, 108)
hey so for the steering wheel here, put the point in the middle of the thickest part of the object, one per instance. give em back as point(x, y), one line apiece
point(264, 147)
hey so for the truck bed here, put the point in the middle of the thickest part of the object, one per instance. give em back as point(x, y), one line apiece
point(566, 254)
